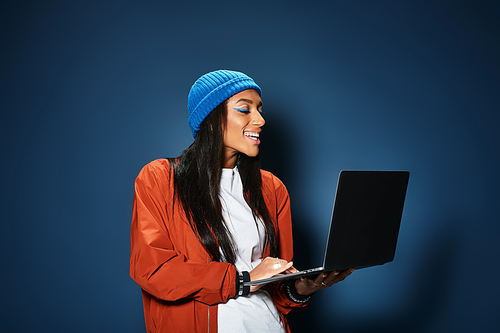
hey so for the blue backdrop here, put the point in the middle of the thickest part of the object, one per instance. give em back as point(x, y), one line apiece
point(93, 90)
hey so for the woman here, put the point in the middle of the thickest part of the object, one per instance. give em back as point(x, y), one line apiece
point(211, 219)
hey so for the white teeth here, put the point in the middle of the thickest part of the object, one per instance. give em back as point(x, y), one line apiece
point(252, 135)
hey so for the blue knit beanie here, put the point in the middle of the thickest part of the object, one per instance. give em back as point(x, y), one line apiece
point(212, 89)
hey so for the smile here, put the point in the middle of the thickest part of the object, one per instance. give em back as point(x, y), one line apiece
point(253, 136)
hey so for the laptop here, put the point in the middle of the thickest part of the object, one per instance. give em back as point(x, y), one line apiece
point(365, 222)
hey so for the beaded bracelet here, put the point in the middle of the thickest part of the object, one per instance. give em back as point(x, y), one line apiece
point(290, 295)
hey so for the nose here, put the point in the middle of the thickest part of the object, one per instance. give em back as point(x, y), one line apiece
point(258, 120)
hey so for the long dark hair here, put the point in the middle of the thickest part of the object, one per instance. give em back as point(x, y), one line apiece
point(197, 174)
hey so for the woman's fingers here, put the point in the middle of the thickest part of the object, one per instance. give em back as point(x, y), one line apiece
point(306, 286)
point(279, 268)
point(328, 279)
point(324, 279)
point(291, 270)
point(270, 267)
point(336, 276)
point(276, 265)
point(341, 276)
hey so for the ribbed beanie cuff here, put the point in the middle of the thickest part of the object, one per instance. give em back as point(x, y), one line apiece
point(212, 89)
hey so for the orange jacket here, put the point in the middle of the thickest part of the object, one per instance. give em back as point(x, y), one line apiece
point(181, 286)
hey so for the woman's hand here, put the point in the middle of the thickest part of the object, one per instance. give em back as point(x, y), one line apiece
point(270, 267)
point(305, 286)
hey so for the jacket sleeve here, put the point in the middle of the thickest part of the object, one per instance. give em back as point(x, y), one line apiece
point(156, 263)
point(285, 239)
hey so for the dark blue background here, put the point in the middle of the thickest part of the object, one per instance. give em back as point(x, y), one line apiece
point(93, 90)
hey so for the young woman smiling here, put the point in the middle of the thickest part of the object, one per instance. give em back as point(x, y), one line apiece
point(211, 219)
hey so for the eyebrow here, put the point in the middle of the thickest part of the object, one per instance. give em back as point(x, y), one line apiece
point(249, 101)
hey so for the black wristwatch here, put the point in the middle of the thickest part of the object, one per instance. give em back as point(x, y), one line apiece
point(242, 289)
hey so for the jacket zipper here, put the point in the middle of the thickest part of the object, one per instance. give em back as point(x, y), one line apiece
point(209, 261)
point(209, 319)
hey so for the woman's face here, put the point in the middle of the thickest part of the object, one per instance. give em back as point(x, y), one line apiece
point(243, 126)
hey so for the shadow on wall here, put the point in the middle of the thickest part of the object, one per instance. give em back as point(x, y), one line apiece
point(276, 149)
point(275, 154)
point(427, 297)
point(425, 307)
point(305, 319)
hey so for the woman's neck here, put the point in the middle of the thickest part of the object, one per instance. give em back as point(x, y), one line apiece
point(230, 160)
